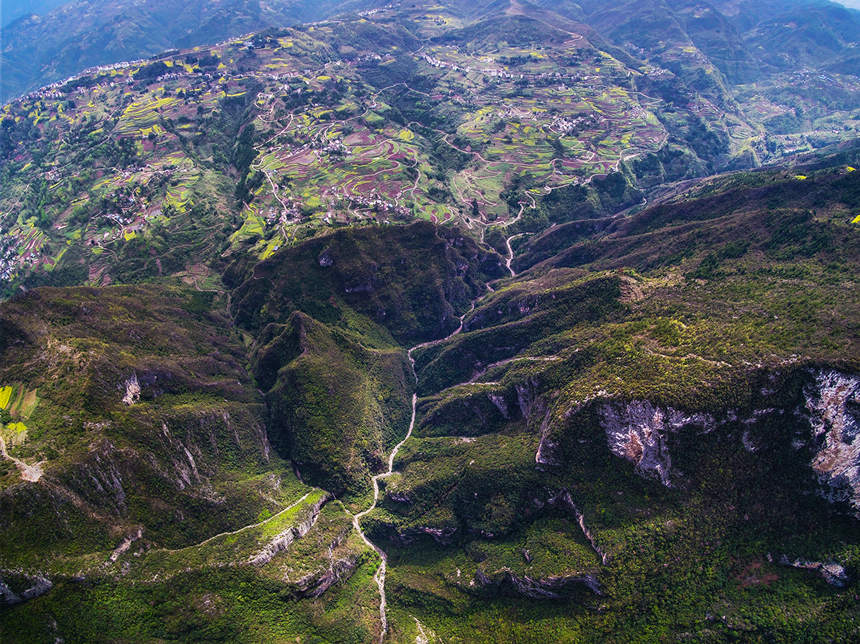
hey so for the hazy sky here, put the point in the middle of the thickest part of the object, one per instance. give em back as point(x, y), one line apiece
point(12, 9)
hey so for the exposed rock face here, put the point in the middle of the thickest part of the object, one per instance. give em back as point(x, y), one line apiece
point(123, 547)
point(283, 540)
point(184, 465)
point(500, 404)
point(317, 584)
point(832, 572)
point(474, 413)
point(34, 586)
point(132, 390)
point(133, 453)
point(547, 447)
point(325, 259)
point(826, 417)
point(100, 478)
point(637, 431)
point(342, 563)
point(833, 403)
point(527, 397)
point(442, 536)
point(398, 497)
point(564, 500)
point(505, 581)
point(7, 595)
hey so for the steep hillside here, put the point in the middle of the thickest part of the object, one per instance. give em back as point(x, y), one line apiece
point(328, 316)
point(132, 437)
point(666, 408)
point(456, 321)
point(673, 414)
point(128, 408)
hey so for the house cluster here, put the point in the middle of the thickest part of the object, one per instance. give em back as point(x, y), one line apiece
point(11, 255)
point(657, 73)
point(377, 204)
point(335, 147)
point(565, 126)
point(52, 91)
point(368, 58)
point(292, 210)
point(49, 91)
point(170, 76)
point(495, 72)
point(328, 146)
point(118, 219)
point(7, 260)
point(561, 124)
point(372, 12)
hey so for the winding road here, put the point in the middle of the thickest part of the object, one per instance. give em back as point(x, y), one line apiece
point(379, 577)
point(510, 258)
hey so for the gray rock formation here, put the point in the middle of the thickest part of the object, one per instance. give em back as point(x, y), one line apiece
point(832, 572)
point(505, 581)
point(833, 403)
point(637, 431)
point(37, 586)
point(283, 540)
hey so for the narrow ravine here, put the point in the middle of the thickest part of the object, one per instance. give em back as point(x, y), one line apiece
point(510, 257)
point(379, 577)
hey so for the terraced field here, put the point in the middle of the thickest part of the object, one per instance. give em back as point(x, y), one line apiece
point(392, 116)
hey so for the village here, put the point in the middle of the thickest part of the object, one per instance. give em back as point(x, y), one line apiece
point(329, 147)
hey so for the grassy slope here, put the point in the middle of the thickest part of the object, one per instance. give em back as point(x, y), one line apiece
point(188, 460)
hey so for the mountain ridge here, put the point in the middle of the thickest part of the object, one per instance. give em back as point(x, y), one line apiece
point(462, 322)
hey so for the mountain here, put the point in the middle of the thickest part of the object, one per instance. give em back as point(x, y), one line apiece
point(745, 41)
point(666, 406)
point(11, 10)
point(495, 321)
point(43, 48)
point(172, 165)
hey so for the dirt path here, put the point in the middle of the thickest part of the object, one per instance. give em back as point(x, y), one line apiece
point(510, 258)
point(379, 577)
point(31, 473)
point(243, 528)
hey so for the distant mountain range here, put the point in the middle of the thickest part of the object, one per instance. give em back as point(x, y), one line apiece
point(11, 10)
point(586, 111)
point(39, 49)
point(742, 38)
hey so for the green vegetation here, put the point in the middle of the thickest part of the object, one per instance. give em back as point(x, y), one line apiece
point(507, 505)
point(228, 272)
point(326, 314)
